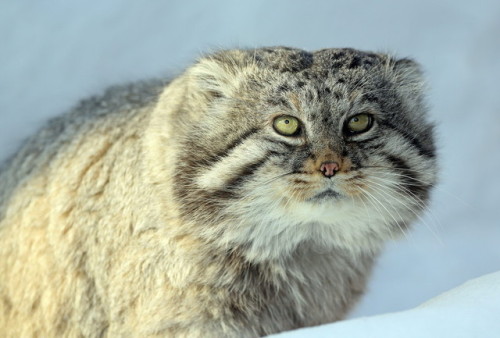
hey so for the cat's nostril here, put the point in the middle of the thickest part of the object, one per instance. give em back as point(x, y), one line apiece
point(329, 168)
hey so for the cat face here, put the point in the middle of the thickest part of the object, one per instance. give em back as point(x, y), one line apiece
point(285, 147)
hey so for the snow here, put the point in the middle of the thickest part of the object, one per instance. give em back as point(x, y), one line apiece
point(470, 310)
point(54, 53)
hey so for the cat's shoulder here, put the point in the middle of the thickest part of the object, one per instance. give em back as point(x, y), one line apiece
point(116, 101)
point(115, 108)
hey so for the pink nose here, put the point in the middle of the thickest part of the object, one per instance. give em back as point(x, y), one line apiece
point(329, 168)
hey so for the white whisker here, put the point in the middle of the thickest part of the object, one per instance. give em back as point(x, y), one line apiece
point(384, 207)
point(404, 193)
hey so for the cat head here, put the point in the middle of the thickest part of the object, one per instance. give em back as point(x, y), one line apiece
point(280, 147)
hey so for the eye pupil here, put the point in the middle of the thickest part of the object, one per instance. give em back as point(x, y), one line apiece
point(286, 125)
point(359, 124)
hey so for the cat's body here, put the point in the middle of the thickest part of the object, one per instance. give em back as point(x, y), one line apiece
point(183, 209)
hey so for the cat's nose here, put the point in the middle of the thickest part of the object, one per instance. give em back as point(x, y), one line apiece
point(329, 168)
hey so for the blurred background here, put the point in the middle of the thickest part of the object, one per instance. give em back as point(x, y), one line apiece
point(53, 53)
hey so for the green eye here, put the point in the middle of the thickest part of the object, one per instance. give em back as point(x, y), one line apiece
point(359, 123)
point(286, 125)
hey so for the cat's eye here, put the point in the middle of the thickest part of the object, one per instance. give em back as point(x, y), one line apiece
point(286, 125)
point(359, 124)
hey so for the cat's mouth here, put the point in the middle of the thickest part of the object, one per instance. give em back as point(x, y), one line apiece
point(327, 194)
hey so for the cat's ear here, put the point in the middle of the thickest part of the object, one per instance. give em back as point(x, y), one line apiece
point(219, 75)
point(408, 72)
point(408, 76)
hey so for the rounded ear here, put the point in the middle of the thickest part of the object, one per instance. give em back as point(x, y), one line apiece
point(220, 74)
point(408, 77)
point(408, 72)
point(212, 77)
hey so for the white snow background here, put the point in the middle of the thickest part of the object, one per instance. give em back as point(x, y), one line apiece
point(53, 53)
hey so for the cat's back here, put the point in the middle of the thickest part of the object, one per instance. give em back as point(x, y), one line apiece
point(98, 119)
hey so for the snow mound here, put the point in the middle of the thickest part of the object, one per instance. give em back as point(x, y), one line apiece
point(470, 310)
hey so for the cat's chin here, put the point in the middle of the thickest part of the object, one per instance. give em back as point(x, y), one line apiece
point(325, 196)
point(330, 221)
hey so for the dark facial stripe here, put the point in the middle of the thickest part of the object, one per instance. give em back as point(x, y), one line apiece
point(423, 151)
point(235, 143)
point(366, 140)
point(246, 172)
point(372, 146)
point(205, 204)
point(398, 162)
point(410, 179)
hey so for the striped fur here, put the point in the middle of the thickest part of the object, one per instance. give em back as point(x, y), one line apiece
point(177, 210)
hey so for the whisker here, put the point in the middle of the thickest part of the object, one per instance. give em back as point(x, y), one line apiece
point(406, 194)
point(377, 209)
point(390, 171)
point(388, 212)
point(278, 177)
point(365, 207)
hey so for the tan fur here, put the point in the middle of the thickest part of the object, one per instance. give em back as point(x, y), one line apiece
point(95, 241)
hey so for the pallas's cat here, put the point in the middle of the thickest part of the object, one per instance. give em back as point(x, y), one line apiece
point(248, 196)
